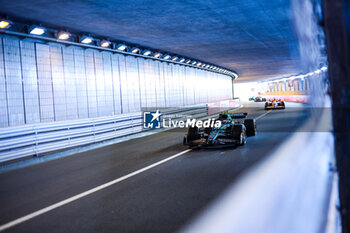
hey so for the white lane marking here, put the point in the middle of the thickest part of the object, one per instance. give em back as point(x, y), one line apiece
point(262, 115)
point(88, 192)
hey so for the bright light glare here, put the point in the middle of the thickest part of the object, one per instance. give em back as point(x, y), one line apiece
point(4, 24)
point(86, 40)
point(37, 31)
point(167, 57)
point(157, 55)
point(324, 68)
point(63, 36)
point(246, 90)
point(174, 59)
point(146, 53)
point(135, 50)
point(188, 61)
point(105, 43)
point(121, 47)
point(182, 60)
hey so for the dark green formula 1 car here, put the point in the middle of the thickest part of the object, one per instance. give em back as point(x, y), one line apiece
point(233, 131)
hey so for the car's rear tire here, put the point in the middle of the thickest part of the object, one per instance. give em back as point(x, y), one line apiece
point(239, 134)
point(266, 105)
point(192, 134)
point(250, 127)
point(283, 105)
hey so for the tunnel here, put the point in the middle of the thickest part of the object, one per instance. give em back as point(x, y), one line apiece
point(175, 116)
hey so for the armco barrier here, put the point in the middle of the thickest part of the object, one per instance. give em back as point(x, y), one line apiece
point(29, 140)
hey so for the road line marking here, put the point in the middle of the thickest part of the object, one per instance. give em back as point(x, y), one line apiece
point(88, 192)
point(262, 115)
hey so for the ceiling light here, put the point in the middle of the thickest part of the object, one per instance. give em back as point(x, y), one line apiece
point(146, 52)
point(207, 66)
point(63, 35)
point(166, 57)
point(157, 55)
point(194, 62)
point(135, 50)
point(36, 30)
point(105, 43)
point(86, 39)
point(198, 64)
point(174, 58)
point(121, 47)
point(182, 59)
point(4, 24)
point(188, 61)
point(324, 68)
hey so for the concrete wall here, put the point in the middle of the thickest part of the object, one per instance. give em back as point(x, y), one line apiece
point(44, 82)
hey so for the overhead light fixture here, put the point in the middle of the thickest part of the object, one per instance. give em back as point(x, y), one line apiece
point(4, 23)
point(147, 52)
point(174, 58)
point(194, 62)
point(182, 60)
point(199, 63)
point(105, 43)
point(121, 47)
point(86, 39)
point(135, 50)
point(188, 61)
point(207, 66)
point(63, 36)
point(36, 30)
point(166, 57)
point(324, 68)
point(157, 55)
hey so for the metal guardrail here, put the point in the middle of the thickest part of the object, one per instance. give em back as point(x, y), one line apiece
point(34, 139)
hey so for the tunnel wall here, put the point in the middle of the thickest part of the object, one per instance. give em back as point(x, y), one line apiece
point(45, 82)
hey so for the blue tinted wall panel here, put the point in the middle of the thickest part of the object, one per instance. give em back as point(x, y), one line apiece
point(91, 83)
point(116, 83)
point(70, 82)
point(45, 83)
point(81, 82)
point(107, 74)
point(13, 81)
point(100, 85)
point(4, 121)
point(143, 82)
point(30, 82)
point(160, 87)
point(133, 84)
point(58, 83)
point(123, 84)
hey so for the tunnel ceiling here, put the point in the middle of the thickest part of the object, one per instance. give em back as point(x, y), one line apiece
point(252, 37)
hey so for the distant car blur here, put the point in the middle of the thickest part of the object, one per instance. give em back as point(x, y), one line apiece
point(257, 99)
point(275, 104)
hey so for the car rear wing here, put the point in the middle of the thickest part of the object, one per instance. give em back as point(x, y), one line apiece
point(239, 115)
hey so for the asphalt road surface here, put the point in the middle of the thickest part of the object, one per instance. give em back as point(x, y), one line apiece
point(161, 198)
